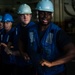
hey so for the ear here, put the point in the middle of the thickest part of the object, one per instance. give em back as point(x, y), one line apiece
point(31, 15)
point(37, 14)
point(52, 14)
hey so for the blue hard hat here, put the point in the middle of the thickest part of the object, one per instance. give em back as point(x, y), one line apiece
point(0, 17)
point(45, 5)
point(8, 18)
point(24, 9)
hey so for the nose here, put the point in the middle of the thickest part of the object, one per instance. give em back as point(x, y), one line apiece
point(45, 15)
point(24, 16)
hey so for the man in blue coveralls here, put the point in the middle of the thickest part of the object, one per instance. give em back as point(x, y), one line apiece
point(24, 65)
point(8, 35)
point(49, 46)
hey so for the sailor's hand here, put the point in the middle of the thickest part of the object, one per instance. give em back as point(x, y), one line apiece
point(26, 57)
point(7, 50)
point(46, 63)
point(3, 44)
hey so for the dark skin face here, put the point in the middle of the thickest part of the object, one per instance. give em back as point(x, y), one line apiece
point(44, 19)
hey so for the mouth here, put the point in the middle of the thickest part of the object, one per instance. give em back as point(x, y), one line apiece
point(25, 20)
point(45, 21)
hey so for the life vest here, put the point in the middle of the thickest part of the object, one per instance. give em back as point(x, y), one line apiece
point(8, 37)
point(48, 49)
point(19, 31)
